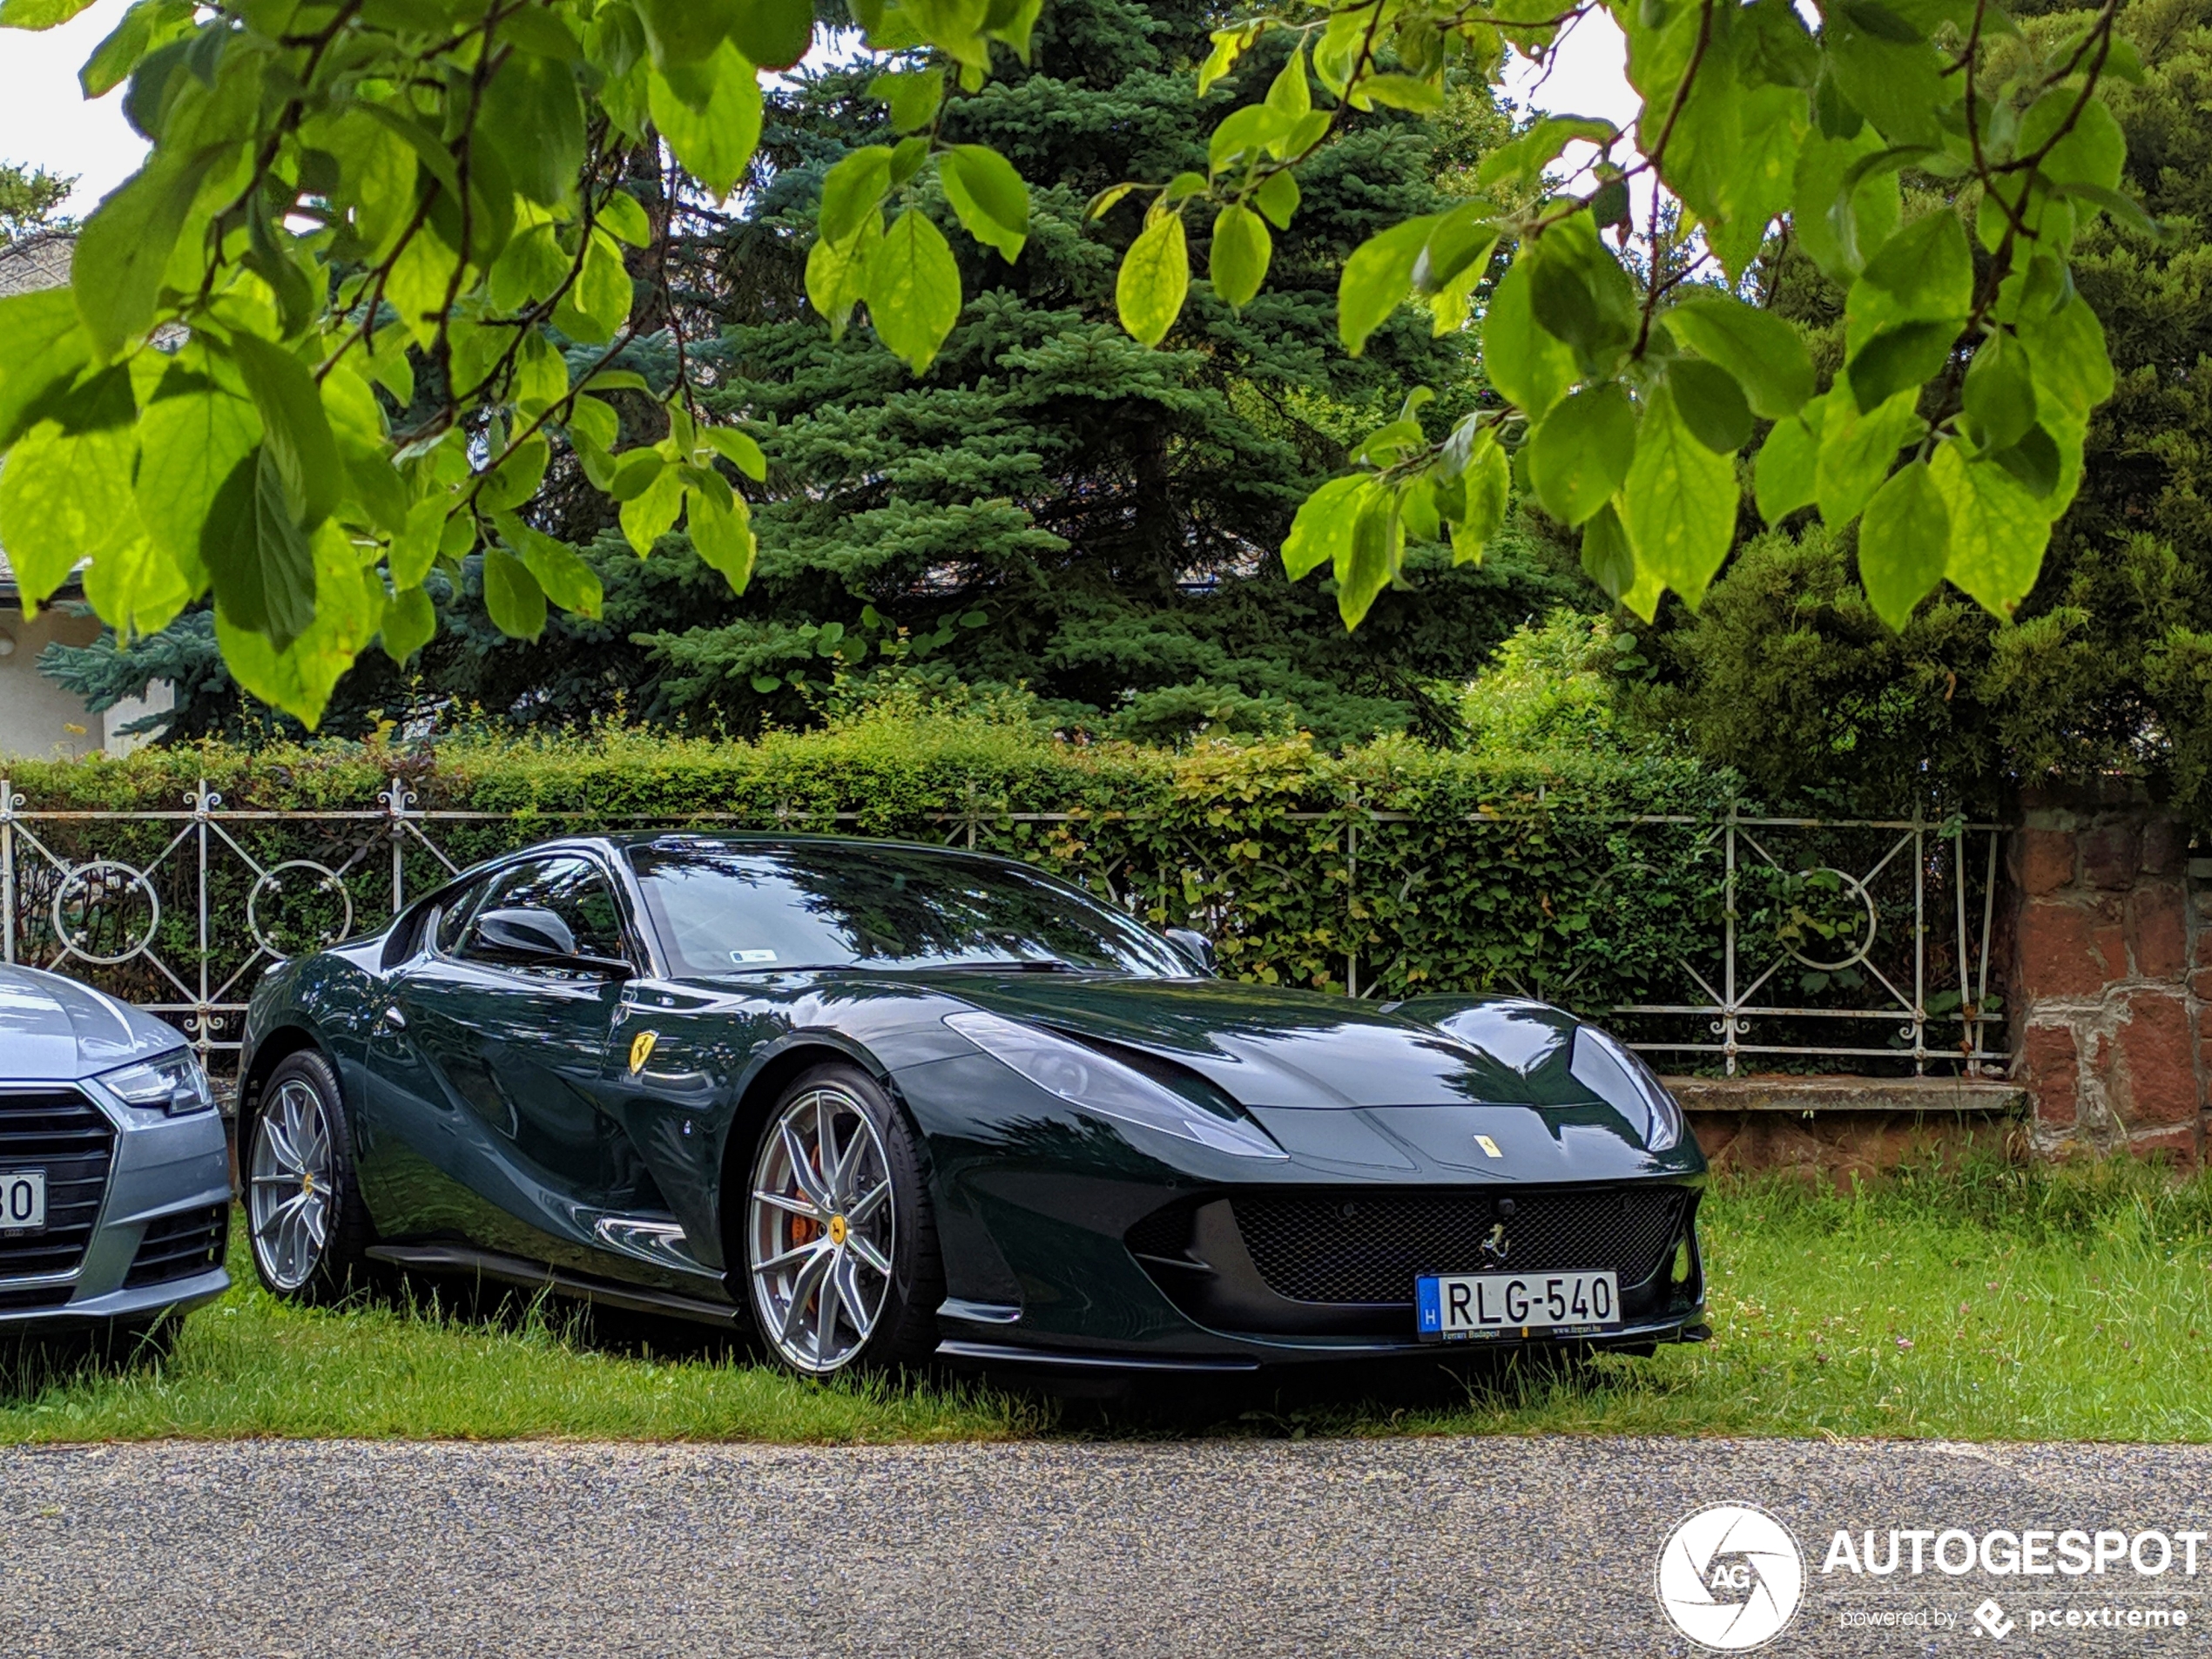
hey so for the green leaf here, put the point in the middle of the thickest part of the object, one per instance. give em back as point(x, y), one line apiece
point(2125, 211)
point(1998, 532)
point(1711, 404)
point(1366, 566)
point(146, 25)
point(622, 216)
point(1878, 20)
point(1763, 352)
point(1901, 358)
point(1904, 541)
point(350, 605)
point(297, 441)
point(722, 537)
point(2000, 392)
point(989, 196)
point(65, 487)
point(774, 33)
point(1398, 92)
point(1924, 274)
point(1238, 258)
point(739, 450)
point(852, 191)
point(914, 97)
point(415, 548)
point(2066, 351)
point(36, 14)
point(2035, 460)
point(516, 477)
point(1530, 367)
point(192, 438)
point(265, 583)
point(530, 113)
point(913, 289)
point(1838, 222)
point(123, 250)
point(715, 141)
point(1378, 279)
point(42, 348)
point(561, 575)
point(1228, 45)
point(597, 304)
point(1787, 469)
point(1255, 129)
point(515, 603)
point(1486, 485)
point(1607, 558)
point(1522, 160)
point(1289, 91)
point(837, 274)
point(1579, 294)
point(136, 587)
point(1678, 504)
point(410, 623)
point(1856, 451)
point(1321, 534)
point(1277, 199)
point(1154, 278)
point(651, 513)
point(1580, 453)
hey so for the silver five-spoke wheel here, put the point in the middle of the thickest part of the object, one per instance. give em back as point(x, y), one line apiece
point(292, 1185)
point(819, 1234)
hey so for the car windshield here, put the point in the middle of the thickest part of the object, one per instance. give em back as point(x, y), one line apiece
point(726, 907)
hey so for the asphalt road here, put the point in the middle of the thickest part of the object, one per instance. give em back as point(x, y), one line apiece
point(1432, 1546)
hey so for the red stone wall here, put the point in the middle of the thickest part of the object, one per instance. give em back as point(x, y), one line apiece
point(2112, 974)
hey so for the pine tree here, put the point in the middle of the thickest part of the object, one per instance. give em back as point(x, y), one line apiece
point(1051, 505)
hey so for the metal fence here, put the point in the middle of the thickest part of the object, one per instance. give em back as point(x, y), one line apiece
point(1805, 944)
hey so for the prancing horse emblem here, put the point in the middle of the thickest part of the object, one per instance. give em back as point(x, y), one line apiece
point(641, 1050)
point(1494, 1247)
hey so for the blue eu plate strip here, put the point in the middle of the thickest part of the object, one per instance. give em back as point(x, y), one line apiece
point(1431, 1303)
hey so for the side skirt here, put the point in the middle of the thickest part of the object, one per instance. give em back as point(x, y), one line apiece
point(515, 1270)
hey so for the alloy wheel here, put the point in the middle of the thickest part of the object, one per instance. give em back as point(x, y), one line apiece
point(821, 1230)
point(292, 1185)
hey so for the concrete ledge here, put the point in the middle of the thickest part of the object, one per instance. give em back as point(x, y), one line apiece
point(1989, 1097)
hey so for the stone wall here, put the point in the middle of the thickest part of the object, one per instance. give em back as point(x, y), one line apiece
point(2112, 967)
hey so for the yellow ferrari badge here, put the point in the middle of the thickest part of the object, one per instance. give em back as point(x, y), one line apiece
point(641, 1050)
point(1489, 1147)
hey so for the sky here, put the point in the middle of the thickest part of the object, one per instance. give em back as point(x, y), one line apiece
point(46, 122)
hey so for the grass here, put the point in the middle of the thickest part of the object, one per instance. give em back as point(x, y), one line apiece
point(1981, 1302)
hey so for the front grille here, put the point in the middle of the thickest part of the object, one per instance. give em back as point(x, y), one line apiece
point(62, 1133)
point(180, 1246)
point(1342, 1247)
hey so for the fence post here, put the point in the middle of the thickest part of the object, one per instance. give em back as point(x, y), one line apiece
point(1351, 908)
point(9, 801)
point(394, 800)
point(1728, 946)
point(201, 802)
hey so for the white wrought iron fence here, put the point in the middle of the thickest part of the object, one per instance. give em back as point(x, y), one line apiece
point(1709, 941)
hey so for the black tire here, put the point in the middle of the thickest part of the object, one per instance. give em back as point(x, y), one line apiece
point(903, 1330)
point(339, 1264)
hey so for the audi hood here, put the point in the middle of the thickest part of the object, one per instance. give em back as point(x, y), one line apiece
point(55, 1029)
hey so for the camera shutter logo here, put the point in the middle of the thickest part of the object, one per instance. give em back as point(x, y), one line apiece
point(1730, 1578)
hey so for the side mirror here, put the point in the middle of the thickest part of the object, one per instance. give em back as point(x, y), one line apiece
point(525, 934)
point(1194, 945)
point(537, 938)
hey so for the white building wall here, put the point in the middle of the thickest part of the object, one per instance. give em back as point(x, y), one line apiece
point(37, 717)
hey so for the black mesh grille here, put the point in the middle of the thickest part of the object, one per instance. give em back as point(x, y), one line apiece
point(64, 1134)
point(1341, 1247)
point(180, 1245)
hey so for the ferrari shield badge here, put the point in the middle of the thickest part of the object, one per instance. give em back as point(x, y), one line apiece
point(1489, 1147)
point(641, 1050)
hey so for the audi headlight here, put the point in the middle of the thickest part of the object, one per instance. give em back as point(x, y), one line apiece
point(1612, 1071)
point(1107, 1086)
point(173, 1082)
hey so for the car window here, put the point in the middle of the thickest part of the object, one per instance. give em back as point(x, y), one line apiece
point(574, 889)
point(724, 907)
point(453, 917)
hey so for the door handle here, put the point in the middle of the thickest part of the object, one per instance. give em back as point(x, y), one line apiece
point(391, 1020)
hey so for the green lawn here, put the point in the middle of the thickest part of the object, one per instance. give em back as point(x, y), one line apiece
point(1986, 1304)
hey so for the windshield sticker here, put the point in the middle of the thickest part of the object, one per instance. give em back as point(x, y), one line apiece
point(749, 957)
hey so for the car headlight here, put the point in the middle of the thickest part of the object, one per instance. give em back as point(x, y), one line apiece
point(175, 1083)
point(1107, 1086)
point(1613, 1071)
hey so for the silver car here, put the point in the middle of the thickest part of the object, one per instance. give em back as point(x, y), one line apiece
point(115, 1177)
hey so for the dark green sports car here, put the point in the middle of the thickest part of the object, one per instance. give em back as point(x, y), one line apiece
point(881, 1101)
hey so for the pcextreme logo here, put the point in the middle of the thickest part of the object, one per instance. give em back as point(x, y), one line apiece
point(1730, 1578)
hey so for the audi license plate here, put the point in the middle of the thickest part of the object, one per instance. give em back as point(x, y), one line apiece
point(1454, 1307)
point(23, 1200)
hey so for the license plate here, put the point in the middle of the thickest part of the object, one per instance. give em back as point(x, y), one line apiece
point(1454, 1307)
point(23, 1200)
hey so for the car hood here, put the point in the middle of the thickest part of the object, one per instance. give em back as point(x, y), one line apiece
point(54, 1029)
point(1266, 1045)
